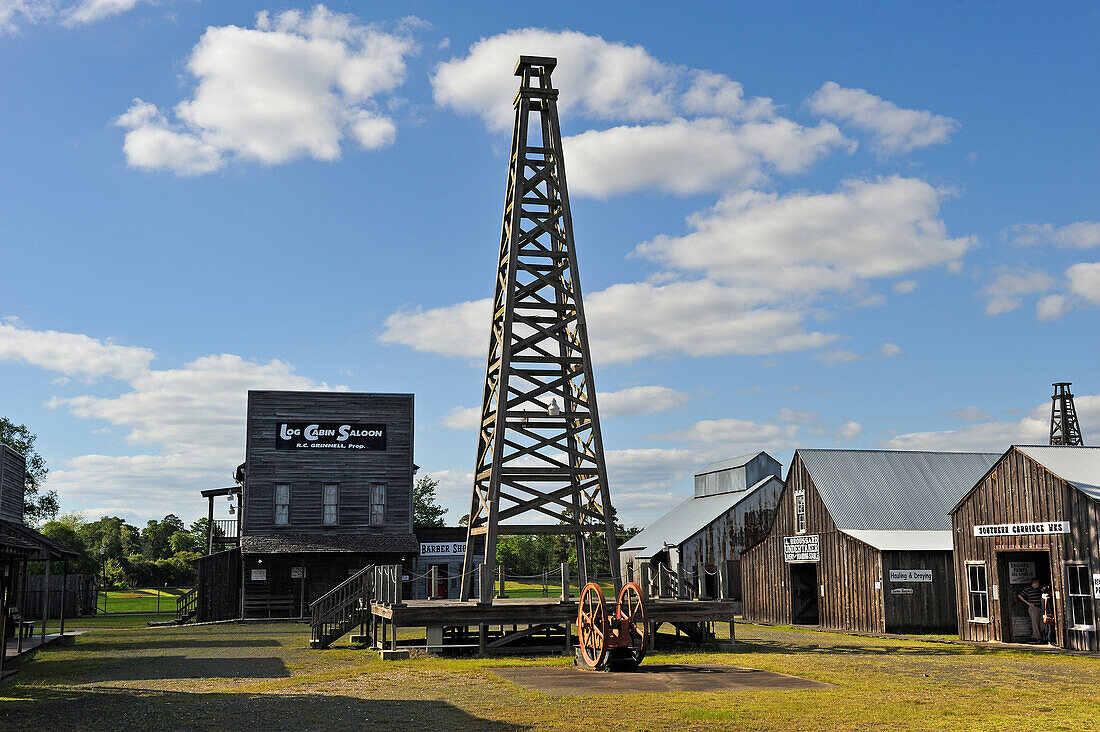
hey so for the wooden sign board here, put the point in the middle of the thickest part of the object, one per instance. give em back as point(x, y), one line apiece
point(802, 548)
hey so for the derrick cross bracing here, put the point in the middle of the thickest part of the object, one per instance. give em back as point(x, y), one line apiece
point(540, 461)
point(1064, 427)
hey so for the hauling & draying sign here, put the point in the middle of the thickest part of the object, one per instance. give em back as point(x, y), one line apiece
point(802, 548)
point(910, 575)
point(330, 436)
point(1046, 527)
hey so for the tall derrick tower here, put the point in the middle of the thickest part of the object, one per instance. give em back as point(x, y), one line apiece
point(540, 461)
point(1064, 429)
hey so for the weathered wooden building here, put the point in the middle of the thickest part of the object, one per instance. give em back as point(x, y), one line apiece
point(442, 549)
point(731, 509)
point(861, 540)
point(1034, 514)
point(327, 490)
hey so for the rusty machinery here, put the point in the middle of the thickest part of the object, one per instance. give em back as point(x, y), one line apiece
point(612, 636)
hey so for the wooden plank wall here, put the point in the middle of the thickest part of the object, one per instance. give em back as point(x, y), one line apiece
point(848, 568)
point(931, 607)
point(306, 471)
point(12, 468)
point(1019, 490)
point(219, 586)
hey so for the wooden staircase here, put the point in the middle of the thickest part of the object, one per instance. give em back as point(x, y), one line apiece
point(187, 606)
point(341, 608)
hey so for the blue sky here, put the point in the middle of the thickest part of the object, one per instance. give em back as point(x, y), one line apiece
point(798, 224)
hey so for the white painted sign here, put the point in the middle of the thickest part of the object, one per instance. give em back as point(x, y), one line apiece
point(1096, 586)
point(1020, 573)
point(902, 591)
point(441, 549)
point(297, 572)
point(802, 548)
point(910, 575)
point(1048, 527)
point(259, 575)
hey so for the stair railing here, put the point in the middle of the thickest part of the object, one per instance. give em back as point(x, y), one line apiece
point(187, 605)
point(338, 610)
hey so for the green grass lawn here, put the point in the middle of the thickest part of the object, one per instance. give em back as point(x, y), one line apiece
point(142, 600)
point(263, 676)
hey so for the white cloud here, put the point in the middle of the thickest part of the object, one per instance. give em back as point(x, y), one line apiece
point(15, 12)
point(1051, 307)
point(1078, 235)
point(849, 431)
point(806, 243)
point(904, 287)
point(72, 354)
point(691, 156)
point(628, 322)
point(837, 357)
point(640, 400)
point(190, 419)
point(296, 85)
point(1004, 292)
point(969, 414)
point(891, 349)
point(679, 130)
point(1084, 280)
point(89, 11)
point(893, 129)
point(461, 418)
point(996, 436)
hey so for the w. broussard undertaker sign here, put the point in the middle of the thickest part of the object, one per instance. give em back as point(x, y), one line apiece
point(330, 436)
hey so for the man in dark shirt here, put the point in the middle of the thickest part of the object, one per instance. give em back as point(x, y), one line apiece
point(1032, 596)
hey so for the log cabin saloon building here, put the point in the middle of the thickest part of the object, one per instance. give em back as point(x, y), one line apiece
point(861, 540)
point(326, 490)
point(1035, 513)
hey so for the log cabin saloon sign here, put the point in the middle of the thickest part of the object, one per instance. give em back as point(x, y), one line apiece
point(1044, 527)
point(806, 548)
point(330, 436)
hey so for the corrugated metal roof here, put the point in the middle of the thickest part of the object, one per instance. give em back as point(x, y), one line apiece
point(894, 490)
point(679, 524)
point(735, 462)
point(904, 541)
point(1078, 466)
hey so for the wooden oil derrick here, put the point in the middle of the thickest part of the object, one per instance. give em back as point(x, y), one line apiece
point(1064, 429)
point(540, 461)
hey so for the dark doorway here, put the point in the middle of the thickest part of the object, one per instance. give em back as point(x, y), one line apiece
point(804, 607)
point(440, 580)
point(1015, 570)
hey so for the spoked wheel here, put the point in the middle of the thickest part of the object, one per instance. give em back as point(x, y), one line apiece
point(592, 626)
point(633, 630)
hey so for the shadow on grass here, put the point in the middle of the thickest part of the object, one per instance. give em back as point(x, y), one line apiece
point(96, 646)
point(140, 709)
point(132, 667)
point(804, 646)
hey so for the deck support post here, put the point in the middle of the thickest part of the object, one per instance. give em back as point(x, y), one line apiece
point(681, 582)
point(565, 582)
point(723, 581)
point(397, 583)
point(700, 582)
point(500, 579)
point(484, 585)
point(482, 639)
point(643, 577)
point(22, 601)
point(433, 581)
point(46, 599)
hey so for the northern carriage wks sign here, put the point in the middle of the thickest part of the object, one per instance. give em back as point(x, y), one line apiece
point(1044, 527)
point(330, 436)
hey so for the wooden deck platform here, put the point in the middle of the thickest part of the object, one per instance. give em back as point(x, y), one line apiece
point(524, 611)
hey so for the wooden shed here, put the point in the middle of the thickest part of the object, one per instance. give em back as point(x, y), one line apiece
point(861, 540)
point(731, 509)
point(1034, 514)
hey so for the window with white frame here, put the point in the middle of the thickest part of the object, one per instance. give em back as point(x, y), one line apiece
point(1079, 596)
point(377, 504)
point(331, 498)
point(800, 512)
point(282, 504)
point(977, 589)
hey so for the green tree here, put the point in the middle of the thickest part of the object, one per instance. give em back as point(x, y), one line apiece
point(113, 535)
point(198, 533)
point(426, 512)
point(182, 541)
point(38, 504)
point(157, 535)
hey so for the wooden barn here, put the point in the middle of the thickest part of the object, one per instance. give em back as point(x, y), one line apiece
point(1034, 514)
point(861, 540)
point(731, 509)
point(327, 490)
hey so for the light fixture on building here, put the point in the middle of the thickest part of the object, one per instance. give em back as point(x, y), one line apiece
point(553, 410)
point(231, 509)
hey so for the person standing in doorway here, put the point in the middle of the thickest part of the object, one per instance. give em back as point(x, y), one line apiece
point(1048, 614)
point(1032, 596)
